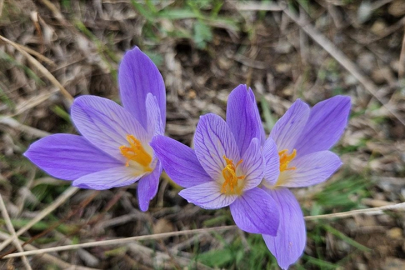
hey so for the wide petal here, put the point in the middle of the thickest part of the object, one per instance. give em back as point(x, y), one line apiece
point(271, 162)
point(256, 212)
point(242, 117)
point(179, 162)
point(138, 76)
point(310, 169)
point(109, 178)
point(252, 165)
point(105, 124)
point(148, 187)
point(207, 196)
point(325, 125)
point(68, 157)
point(288, 129)
point(290, 241)
point(155, 125)
point(212, 141)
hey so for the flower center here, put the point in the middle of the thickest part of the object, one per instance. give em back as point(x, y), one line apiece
point(137, 153)
point(231, 183)
point(285, 159)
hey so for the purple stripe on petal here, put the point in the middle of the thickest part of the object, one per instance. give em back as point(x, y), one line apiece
point(212, 141)
point(242, 117)
point(179, 162)
point(138, 76)
point(207, 196)
point(256, 212)
point(325, 125)
point(154, 125)
point(68, 157)
point(106, 179)
point(148, 187)
point(105, 124)
point(271, 162)
point(288, 129)
point(252, 165)
point(310, 169)
point(290, 241)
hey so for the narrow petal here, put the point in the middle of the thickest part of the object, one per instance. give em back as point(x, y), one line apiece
point(252, 165)
point(106, 179)
point(242, 117)
point(138, 76)
point(155, 125)
point(271, 162)
point(290, 241)
point(258, 120)
point(310, 169)
point(288, 129)
point(68, 157)
point(212, 141)
point(179, 162)
point(325, 125)
point(256, 212)
point(105, 124)
point(148, 187)
point(207, 196)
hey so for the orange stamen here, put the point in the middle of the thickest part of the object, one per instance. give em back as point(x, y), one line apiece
point(230, 185)
point(285, 159)
point(136, 152)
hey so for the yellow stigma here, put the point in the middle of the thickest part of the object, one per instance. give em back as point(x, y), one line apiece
point(285, 159)
point(231, 184)
point(136, 152)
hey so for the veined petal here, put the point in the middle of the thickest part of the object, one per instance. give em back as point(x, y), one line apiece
point(290, 126)
point(262, 137)
point(207, 196)
point(155, 125)
point(256, 212)
point(310, 169)
point(325, 125)
point(290, 241)
point(271, 162)
point(148, 187)
point(242, 117)
point(212, 141)
point(252, 165)
point(138, 76)
point(68, 157)
point(105, 124)
point(179, 162)
point(109, 178)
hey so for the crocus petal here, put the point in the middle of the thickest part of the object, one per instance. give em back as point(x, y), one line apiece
point(68, 157)
point(256, 212)
point(288, 129)
point(207, 196)
point(252, 165)
point(179, 162)
point(155, 125)
point(242, 117)
point(325, 125)
point(271, 162)
point(212, 141)
point(310, 169)
point(148, 187)
point(106, 179)
point(105, 124)
point(290, 241)
point(138, 76)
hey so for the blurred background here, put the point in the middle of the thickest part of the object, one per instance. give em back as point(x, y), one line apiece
point(284, 50)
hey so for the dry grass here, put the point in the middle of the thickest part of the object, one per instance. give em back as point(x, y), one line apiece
point(54, 50)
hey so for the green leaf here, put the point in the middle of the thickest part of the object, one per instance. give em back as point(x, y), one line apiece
point(202, 34)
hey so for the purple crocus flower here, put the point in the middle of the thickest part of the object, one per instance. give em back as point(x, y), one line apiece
point(114, 150)
point(301, 140)
point(226, 165)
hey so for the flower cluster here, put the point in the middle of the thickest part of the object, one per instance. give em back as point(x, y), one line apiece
point(232, 164)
